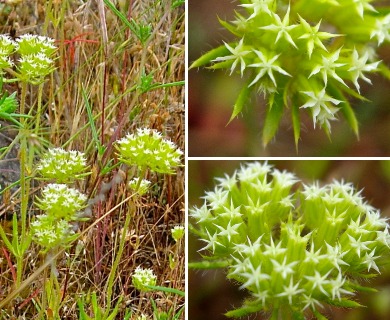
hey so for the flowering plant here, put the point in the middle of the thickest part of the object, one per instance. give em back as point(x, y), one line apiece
point(293, 247)
point(303, 55)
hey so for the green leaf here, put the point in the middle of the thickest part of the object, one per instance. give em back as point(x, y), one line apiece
point(221, 65)
point(358, 287)
point(345, 108)
point(6, 241)
point(244, 311)
point(209, 264)
point(209, 56)
point(242, 99)
point(229, 27)
point(273, 117)
point(168, 290)
point(296, 124)
point(344, 303)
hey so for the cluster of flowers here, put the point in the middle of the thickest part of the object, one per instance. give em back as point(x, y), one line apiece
point(303, 54)
point(34, 56)
point(292, 247)
point(148, 149)
point(62, 204)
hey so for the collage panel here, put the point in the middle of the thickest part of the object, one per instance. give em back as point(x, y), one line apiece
point(92, 159)
point(288, 239)
point(288, 78)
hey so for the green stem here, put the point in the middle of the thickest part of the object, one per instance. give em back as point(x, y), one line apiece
point(111, 278)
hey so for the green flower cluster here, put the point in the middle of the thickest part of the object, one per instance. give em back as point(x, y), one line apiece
point(148, 149)
point(62, 166)
point(293, 248)
point(61, 203)
point(177, 232)
point(142, 186)
point(305, 54)
point(142, 278)
point(35, 56)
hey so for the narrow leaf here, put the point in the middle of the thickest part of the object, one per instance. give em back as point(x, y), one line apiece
point(229, 27)
point(243, 311)
point(241, 101)
point(6, 241)
point(209, 56)
point(345, 303)
point(209, 264)
point(273, 117)
point(296, 124)
point(345, 108)
point(168, 290)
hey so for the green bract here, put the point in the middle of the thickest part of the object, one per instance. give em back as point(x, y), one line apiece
point(305, 54)
point(293, 247)
point(142, 278)
point(148, 149)
point(61, 165)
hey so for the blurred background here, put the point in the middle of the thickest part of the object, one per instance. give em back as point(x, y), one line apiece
point(212, 95)
point(211, 295)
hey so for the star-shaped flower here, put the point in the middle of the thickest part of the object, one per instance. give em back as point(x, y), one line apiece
point(369, 260)
point(229, 231)
point(267, 66)
point(319, 103)
point(254, 277)
point(258, 6)
point(212, 242)
point(337, 287)
point(328, 67)
point(360, 65)
point(282, 28)
point(283, 268)
point(318, 281)
point(290, 291)
point(382, 28)
point(237, 54)
point(362, 5)
point(314, 36)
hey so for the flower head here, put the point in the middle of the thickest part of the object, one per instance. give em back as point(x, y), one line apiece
point(290, 247)
point(147, 148)
point(140, 187)
point(61, 202)
point(61, 165)
point(177, 233)
point(142, 278)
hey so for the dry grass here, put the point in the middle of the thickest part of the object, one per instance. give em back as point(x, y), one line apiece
point(99, 55)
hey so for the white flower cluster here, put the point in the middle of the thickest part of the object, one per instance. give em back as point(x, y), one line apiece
point(62, 165)
point(293, 247)
point(303, 54)
point(35, 60)
point(147, 148)
point(140, 187)
point(142, 278)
